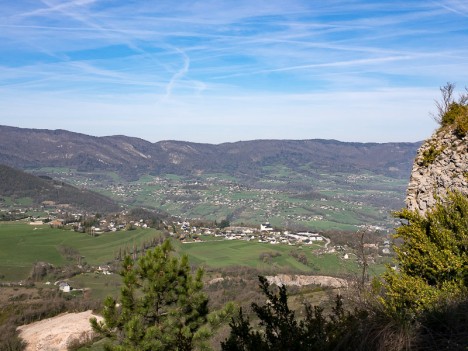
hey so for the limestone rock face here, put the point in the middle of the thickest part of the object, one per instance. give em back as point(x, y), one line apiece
point(302, 280)
point(441, 165)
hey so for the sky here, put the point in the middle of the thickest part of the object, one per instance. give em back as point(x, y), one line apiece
point(217, 71)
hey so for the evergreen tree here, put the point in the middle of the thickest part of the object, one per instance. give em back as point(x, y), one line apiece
point(280, 330)
point(161, 306)
point(433, 259)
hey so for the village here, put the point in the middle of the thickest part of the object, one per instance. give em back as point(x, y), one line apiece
point(211, 196)
point(60, 216)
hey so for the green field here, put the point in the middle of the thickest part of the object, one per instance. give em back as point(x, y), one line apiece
point(226, 253)
point(21, 245)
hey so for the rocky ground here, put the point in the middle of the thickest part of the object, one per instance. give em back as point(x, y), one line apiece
point(55, 334)
point(303, 280)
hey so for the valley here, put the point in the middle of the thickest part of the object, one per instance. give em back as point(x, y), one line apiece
point(288, 199)
point(73, 206)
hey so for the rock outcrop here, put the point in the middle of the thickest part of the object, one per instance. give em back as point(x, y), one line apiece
point(441, 165)
point(302, 280)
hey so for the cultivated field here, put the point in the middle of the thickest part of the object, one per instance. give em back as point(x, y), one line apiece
point(222, 254)
point(21, 245)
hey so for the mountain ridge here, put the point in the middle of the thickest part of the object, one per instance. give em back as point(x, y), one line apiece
point(130, 156)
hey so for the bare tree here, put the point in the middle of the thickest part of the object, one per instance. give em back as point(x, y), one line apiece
point(362, 255)
point(444, 104)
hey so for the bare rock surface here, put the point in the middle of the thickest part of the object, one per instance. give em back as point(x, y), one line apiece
point(446, 170)
point(56, 333)
point(302, 280)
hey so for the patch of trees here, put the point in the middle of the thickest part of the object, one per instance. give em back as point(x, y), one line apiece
point(136, 251)
point(153, 219)
point(299, 256)
point(13, 216)
point(267, 257)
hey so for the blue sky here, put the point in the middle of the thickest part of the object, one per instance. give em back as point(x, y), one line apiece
point(222, 71)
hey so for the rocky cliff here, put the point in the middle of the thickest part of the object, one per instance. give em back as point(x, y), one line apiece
point(441, 165)
point(302, 280)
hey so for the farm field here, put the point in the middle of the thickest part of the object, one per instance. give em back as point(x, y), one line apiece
point(228, 253)
point(21, 245)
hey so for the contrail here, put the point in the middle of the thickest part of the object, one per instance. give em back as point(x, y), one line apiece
point(179, 74)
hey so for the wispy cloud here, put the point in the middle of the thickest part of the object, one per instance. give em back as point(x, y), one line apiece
point(191, 57)
point(456, 6)
point(179, 74)
point(51, 8)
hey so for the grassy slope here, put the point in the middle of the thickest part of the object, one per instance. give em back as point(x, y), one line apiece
point(221, 254)
point(21, 245)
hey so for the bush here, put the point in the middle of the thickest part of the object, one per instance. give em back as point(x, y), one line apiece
point(453, 113)
point(279, 329)
point(430, 154)
point(433, 259)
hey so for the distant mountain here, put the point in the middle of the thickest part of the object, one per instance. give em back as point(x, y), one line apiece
point(131, 157)
point(19, 184)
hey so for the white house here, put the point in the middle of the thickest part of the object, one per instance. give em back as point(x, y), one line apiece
point(266, 227)
point(65, 287)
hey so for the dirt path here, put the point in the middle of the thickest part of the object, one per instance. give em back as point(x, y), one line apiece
point(54, 334)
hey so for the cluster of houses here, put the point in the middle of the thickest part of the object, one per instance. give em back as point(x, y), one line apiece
point(66, 287)
point(264, 234)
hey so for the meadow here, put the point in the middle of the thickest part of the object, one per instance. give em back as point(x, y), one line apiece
point(228, 253)
point(22, 245)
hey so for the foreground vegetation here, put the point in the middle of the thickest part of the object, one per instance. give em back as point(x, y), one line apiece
point(386, 315)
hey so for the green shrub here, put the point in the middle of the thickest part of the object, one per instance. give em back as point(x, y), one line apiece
point(453, 113)
point(456, 116)
point(433, 258)
point(461, 121)
point(430, 155)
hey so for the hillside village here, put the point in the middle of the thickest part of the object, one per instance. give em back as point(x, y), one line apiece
point(210, 197)
point(63, 217)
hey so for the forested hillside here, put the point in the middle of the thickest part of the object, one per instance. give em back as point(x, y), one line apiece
point(131, 157)
point(18, 184)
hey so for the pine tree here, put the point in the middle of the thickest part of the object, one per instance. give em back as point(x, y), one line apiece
point(433, 259)
point(161, 306)
point(280, 330)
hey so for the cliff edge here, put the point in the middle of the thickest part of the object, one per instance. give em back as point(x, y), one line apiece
point(441, 165)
